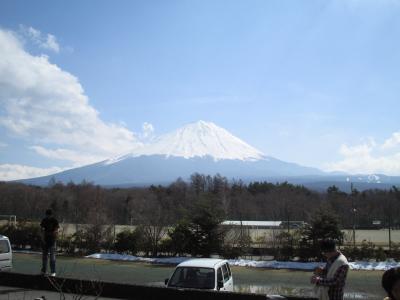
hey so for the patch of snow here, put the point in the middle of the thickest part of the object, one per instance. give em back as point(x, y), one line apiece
point(117, 159)
point(27, 252)
point(199, 139)
point(126, 257)
point(373, 178)
point(373, 266)
point(273, 264)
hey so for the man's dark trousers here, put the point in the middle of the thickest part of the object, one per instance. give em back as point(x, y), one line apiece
point(49, 247)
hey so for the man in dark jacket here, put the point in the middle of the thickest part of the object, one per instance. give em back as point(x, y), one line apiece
point(49, 227)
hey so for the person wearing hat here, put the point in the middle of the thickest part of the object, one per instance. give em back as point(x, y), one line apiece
point(330, 280)
point(391, 283)
point(49, 227)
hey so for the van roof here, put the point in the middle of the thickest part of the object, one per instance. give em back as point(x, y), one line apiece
point(202, 262)
point(3, 237)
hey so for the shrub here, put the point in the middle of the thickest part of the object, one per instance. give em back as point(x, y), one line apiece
point(127, 241)
point(180, 237)
point(166, 247)
point(236, 244)
point(380, 254)
point(230, 252)
point(78, 241)
point(107, 241)
point(351, 253)
point(24, 235)
point(307, 252)
point(367, 250)
point(66, 244)
point(285, 242)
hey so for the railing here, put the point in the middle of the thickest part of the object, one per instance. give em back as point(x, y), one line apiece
point(120, 291)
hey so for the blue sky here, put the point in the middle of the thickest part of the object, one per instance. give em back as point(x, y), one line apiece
point(311, 82)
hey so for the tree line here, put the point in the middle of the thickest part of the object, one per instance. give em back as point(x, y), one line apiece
point(183, 218)
point(86, 203)
point(199, 234)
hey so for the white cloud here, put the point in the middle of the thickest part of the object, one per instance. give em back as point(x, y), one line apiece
point(51, 43)
point(392, 142)
point(76, 157)
point(47, 106)
point(3, 145)
point(44, 41)
point(15, 171)
point(355, 151)
point(369, 157)
point(147, 130)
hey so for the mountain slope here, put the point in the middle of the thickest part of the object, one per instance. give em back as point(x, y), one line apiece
point(201, 147)
point(159, 169)
point(205, 148)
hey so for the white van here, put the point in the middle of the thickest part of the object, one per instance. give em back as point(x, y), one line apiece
point(5, 254)
point(202, 273)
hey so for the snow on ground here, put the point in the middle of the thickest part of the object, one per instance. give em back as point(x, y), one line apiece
point(27, 251)
point(126, 257)
point(272, 264)
point(381, 266)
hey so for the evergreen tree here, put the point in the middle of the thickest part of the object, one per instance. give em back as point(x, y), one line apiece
point(324, 225)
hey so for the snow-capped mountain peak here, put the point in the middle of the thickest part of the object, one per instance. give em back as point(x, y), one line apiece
point(204, 139)
point(199, 139)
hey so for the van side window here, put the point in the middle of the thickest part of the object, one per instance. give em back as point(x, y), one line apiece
point(4, 248)
point(226, 273)
point(219, 275)
point(229, 270)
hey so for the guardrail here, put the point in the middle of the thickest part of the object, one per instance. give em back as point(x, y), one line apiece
point(120, 291)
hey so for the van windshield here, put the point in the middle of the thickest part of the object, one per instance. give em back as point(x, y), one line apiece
point(193, 277)
point(4, 248)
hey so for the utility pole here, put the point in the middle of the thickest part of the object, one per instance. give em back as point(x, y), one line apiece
point(288, 219)
point(289, 238)
point(390, 225)
point(353, 212)
point(390, 233)
point(354, 216)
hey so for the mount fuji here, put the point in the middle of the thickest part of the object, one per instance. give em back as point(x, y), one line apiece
point(200, 147)
point(200, 139)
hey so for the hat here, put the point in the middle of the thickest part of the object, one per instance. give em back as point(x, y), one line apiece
point(328, 245)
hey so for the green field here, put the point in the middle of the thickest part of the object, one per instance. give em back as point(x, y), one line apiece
point(360, 284)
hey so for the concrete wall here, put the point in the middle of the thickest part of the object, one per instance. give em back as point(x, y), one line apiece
point(379, 237)
point(120, 291)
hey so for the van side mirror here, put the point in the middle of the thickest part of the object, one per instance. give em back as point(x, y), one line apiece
point(166, 281)
point(220, 285)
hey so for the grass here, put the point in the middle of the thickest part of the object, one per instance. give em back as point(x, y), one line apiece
point(360, 284)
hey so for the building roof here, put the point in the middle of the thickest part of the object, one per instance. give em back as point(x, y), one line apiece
point(253, 223)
